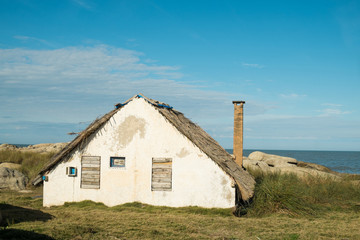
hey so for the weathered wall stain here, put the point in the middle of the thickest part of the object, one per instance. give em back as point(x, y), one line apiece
point(229, 196)
point(128, 128)
point(226, 193)
point(224, 181)
point(183, 153)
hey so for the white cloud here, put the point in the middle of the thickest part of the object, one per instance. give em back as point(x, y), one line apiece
point(28, 38)
point(252, 65)
point(270, 117)
point(77, 80)
point(20, 127)
point(75, 84)
point(332, 111)
point(83, 64)
point(254, 108)
point(332, 104)
point(84, 4)
point(292, 96)
point(283, 138)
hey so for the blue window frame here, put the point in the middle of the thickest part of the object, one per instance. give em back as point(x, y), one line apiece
point(117, 162)
point(71, 171)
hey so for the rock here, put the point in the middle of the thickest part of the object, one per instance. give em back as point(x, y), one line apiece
point(12, 179)
point(45, 147)
point(315, 167)
point(269, 163)
point(10, 165)
point(38, 148)
point(6, 146)
point(306, 172)
point(256, 165)
point(273, 160)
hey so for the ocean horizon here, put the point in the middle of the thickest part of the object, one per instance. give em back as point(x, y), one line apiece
point(340, 161)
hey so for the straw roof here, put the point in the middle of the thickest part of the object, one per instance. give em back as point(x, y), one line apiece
point(244, 181)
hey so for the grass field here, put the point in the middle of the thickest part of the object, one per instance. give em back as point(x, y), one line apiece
point(27, 219)
point(284, 207)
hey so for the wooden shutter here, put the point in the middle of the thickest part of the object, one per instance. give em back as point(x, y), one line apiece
point(161, 177)
point(90, 172)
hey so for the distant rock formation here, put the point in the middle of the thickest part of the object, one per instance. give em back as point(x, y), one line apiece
point(38, 148)
point(10, 165)
point(6, 146)
point(12, 179)
point(270, 163)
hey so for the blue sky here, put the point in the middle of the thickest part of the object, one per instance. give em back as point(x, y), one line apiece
point(295, 63)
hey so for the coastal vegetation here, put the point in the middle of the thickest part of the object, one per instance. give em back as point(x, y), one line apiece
point(311, 196)
point(284, 207)
point(89, 220)
point(31, 162)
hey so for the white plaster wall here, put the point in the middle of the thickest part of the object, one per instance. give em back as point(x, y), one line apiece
point(139, 132)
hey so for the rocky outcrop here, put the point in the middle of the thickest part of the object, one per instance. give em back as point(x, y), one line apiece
point(269, 163)
point(6, 146)
point(315, 166)
point(12, 179)
point(38, 148)
point(45, 147)
point(10, 165)
point(273, 160)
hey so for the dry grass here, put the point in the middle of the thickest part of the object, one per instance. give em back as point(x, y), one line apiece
point(88, 220)
point(31, 162)
point(286, 193)
point(284, 207)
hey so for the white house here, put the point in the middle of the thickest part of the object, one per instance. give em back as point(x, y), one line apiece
point(145, 151)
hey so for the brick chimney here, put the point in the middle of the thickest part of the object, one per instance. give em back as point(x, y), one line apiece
point(238, 131)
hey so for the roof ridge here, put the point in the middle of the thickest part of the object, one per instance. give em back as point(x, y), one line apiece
point(149, 100)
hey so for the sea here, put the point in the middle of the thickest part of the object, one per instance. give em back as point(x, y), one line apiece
point(340, 161)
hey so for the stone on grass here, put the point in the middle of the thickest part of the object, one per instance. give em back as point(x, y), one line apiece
point(12, 179)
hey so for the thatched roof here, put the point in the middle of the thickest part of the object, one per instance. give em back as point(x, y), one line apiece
point(193, 132)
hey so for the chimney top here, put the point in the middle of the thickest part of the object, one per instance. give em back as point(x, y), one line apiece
point(238, 102)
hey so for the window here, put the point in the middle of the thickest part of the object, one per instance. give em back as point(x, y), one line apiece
point(90, 172)
point(161, 177)
point(117, 162)
point(71, 171)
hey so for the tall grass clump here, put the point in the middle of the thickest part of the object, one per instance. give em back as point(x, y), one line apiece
point(279, 193)
point(31, 162)
point(339, 194)
point(289, 194)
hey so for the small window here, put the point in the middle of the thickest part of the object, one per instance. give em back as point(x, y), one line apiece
point(117, 162)
point(71, 171)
